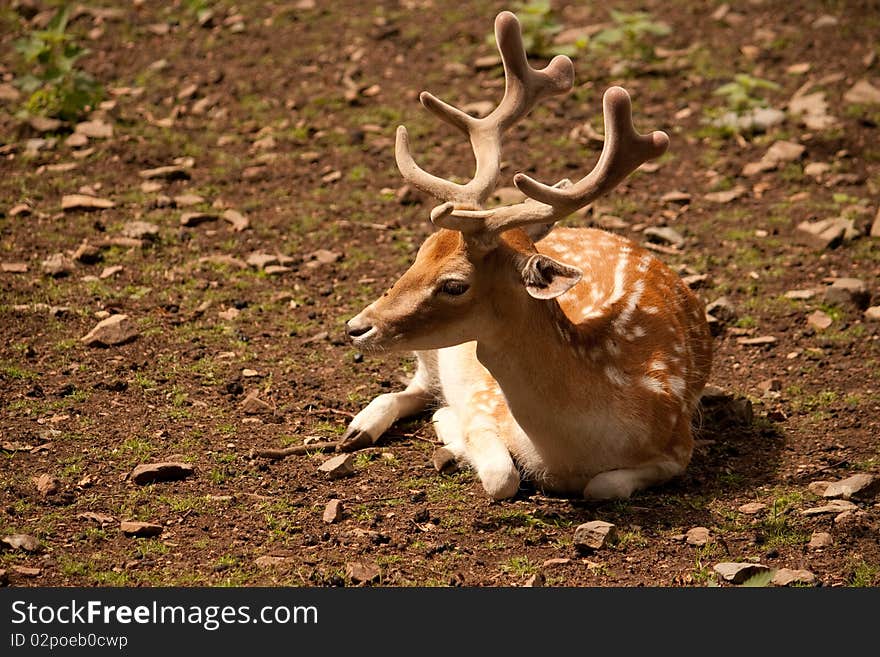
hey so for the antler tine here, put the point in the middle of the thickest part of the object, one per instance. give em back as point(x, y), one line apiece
point(524, 86)
point(623, 152)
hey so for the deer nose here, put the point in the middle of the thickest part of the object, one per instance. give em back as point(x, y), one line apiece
point(355, 330)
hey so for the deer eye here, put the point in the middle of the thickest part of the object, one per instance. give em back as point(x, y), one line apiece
point(454, 288)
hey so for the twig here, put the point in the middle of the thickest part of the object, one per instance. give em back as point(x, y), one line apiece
point(293, 450)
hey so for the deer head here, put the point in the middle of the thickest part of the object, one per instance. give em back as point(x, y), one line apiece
point(478, 261)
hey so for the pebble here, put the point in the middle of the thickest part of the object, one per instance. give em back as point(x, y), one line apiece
point(237, 219)
point(862, 93)
point(140, 529)
point(760, 341)
point(20, 210)
point(46, 484)
point(833, 506)
point(252, 404)
point(186, 200)
point(360, 572)
point(269, 561)
point(825, 233)
point(779, 153)
point(723, 310)
point(115, 330)
point(57, 265)
point(846, 488)
point(664, 235)
point(770, 385)
point(594, 535)
point(820, 540)
point(338, 466)
point(140, 230)
point(819, 320)
point(872, 314)
point(737, 573)
point(110, 271)
point(697, 536)
point(165, 173)
point(84, 202)
point(751, 508)
point(844, 291)
point(727, 195)
point(333, 511)
point(148, 473)
point(14, 267)
point(94, 129)
point(24, 542)
point(190, 219)
point(787, 576)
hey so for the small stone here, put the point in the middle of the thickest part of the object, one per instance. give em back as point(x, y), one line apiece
point(594, 535)
point(331, 177)
point(770, 385)
point(819, 320)
point(139, 529)
point(338, 466)
point(833, 506)
point(872, 314)
point(115, 330)
point(760, 341)
point(46, 484)
point(362, 572)
point(325, 257)
point(24, 542)
point(266, 143)
point(4, 576)
point(87, 253)
point(148, 473)
point(26, 571)
point(186, 200)
point(140, 230)
point(94, 129)
point(535, 580)
point(862, 93)
point(188, 91)
point(274, 270)
point(664, 235)
point(875, 227)
point(816, 169)
point(249, 373)
point(800, 295)
point(260, 260)
point(229, 313)
point(752, 508)
point(787, 576)
point(100, 518)
point(486, 62)
point(76, 140)
point(820, 540)
point(723, 310)
point(556, 561)
point(333, 511)
point(44, 124)
point(846, 488)
point(727, 195)
point(697, 536)
point(270, 561)
point(237, 219)
point(84, 202)
point(844, 291)
point(14, 267)
point(165, 173)
point(8, 93)
point(255, 173)
point(190, 219)
point(825, 20)
point(253, 405)
point(676, 197)
point(57, 265)
point(825, 233)
point(20, 210)
point(818, 487)
point(737, 573)
point(779, 153)
point(110, 271)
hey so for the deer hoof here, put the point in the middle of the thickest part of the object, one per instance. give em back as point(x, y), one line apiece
point(354, 439)
point(444, 461)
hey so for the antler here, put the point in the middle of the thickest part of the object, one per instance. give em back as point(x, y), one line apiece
point(524, 87)
point(623, 152)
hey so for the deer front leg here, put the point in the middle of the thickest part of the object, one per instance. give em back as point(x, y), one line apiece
point(378, 416)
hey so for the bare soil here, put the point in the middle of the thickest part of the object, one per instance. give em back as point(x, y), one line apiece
point(213, 329)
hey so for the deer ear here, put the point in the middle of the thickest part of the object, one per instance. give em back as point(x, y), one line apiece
point(545, 278)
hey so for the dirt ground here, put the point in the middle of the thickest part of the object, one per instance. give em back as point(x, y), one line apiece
point(285, 114)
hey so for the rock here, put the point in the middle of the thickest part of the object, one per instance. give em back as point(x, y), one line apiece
point(270, 561)
point(664, 235)
point(273, 270)
point(20, 210)
point(84, 202)
point(147, 473)
point(820, 540)
point(737, 573)
point(361, 572)
point(76, 140)
point(727, 195)
point(46, 484)
point(819, 320)
point(333, 511)
point(875, 227)
point(758, 120)
point(760, 341)
point(115, 330)
point(253, 405)
point(779, 153)
point(825, 233)
point(165, 173)
point(140, 529)
point(190, 219)
point(770, 385)
point(57, 265)
point(8, 93)
point(14, 267)
point(24, 542)
point(843, 291)
point(44, 124)
point(800, 295)
point(261, 260)
point(676, 197)
point(186, 200)
point(862, 93)
point(787, 576)
point(255, 173)
point(4, 577)
point(94, 129)
point(338, 466)
point(812, 111)
point(818, 487)
point(237, 219)
point(697, 536)
point(825, 20)
point(752, 508)
point(816, 169)
point(594, 535)
point(229, 314)
point(872, 314)
point(535, 580)
point(723, 310)
point(833, 506)
point(323, 257)
point(110, 271)
point(100, 518)
point(26, 571)
point(846, 488)
point(140, 230)
point(694, 281)
point(87, 253)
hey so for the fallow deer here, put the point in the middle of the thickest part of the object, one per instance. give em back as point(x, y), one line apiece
point(572, 357)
